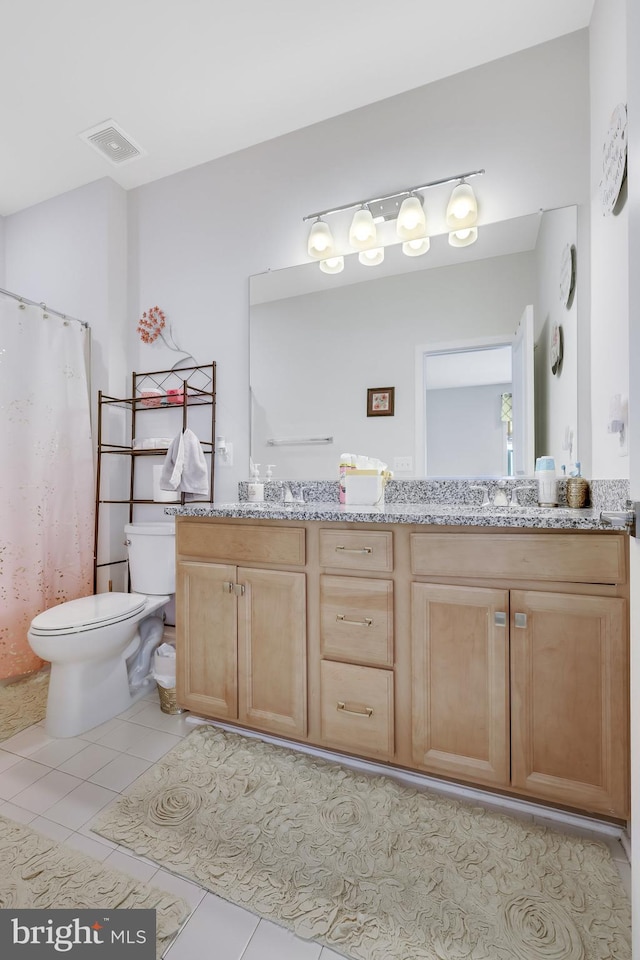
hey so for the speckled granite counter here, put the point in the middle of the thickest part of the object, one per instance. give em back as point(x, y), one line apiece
point(438, 514)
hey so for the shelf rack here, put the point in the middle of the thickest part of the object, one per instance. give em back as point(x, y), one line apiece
point(177, 391)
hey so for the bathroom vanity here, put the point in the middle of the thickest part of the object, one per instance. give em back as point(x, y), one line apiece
point(490, 649)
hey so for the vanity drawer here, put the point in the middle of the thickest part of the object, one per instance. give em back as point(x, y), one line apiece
point(356, 620)
point(596, 558)
point(356, 708)
point(241, 543)
point(357, 550)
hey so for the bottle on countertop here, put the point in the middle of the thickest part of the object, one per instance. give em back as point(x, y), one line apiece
point(547, 482)
point(255, 489)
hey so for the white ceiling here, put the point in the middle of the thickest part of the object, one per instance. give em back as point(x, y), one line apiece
point(191, 80)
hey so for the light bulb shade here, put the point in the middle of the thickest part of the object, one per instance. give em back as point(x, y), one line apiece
point(371, 258)
point(362, 232)
point(332, 265)
point(320, 244)
point(462, 209)
point(463, 238)
point(412, 222)
point(415, 248)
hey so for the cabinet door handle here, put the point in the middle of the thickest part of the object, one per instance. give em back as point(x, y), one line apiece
point(358, 623)
point(367, 712)
point(342, 549)
point(239, 589)
point(521, 619)
point(500, 619)
point(227, 585)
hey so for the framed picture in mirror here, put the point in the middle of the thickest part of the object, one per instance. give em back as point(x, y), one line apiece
point(380, 401)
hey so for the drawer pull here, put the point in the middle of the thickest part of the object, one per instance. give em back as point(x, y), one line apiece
point(367, 712)
point(358, 623)
point(341, 549)
point(521, 619)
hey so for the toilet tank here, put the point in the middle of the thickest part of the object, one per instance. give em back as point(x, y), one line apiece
point(152, 556)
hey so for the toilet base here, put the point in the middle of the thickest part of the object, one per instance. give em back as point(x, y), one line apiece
point(82, 696)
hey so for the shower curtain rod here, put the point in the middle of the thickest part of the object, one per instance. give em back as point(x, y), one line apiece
point(32, 303)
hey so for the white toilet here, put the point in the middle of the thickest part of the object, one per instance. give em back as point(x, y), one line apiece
point(94, 643)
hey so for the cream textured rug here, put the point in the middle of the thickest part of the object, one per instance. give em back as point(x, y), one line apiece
point(37, 872)
point(371, 868)
point(23, 703)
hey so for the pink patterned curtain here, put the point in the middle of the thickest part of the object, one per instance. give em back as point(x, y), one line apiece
point(46, 474)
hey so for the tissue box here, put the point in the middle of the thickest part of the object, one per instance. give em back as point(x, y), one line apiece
point(364, 488)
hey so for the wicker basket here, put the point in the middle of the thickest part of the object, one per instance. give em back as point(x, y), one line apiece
point(168, 700)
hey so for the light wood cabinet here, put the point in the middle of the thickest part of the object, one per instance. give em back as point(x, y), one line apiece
point(460, 659)
point(497, 658)
point(357, 709)
point(569, 678)
point(241, 653)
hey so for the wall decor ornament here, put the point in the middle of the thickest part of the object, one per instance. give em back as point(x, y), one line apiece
point(567, 274)
point(153, 326)
point(556, 349)
point(381, 401)
point(614, 159)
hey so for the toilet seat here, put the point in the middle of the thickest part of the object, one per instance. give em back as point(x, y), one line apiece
point(87, 613)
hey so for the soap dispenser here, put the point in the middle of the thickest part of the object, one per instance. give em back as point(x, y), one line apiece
point(255, 489)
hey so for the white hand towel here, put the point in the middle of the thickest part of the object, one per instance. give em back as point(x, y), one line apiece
point(185, 467)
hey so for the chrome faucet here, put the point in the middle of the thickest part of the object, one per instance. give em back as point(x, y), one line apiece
point(500, 496)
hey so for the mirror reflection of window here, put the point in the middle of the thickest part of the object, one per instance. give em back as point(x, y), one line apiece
point(466, 434)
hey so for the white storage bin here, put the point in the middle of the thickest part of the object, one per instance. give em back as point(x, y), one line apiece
point(365, 489)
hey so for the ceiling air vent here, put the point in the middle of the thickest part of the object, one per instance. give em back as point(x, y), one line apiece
point(112, 142)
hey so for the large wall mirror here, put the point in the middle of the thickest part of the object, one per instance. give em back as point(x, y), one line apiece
point(319, 343)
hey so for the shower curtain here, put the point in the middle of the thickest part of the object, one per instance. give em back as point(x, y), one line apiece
point(46, 473)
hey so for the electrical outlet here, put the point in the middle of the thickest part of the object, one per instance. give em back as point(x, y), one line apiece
point(225, 457)
point(403, 464)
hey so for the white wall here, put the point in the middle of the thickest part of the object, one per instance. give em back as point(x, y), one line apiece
point(196, 237)
point(556, 395)
point(315, 356)
point(465, 435)
point(609, 242)
point(2, 250)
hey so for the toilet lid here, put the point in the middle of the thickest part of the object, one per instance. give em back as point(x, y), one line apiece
point(89, 611)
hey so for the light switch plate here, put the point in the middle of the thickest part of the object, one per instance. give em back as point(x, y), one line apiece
point(403, 464)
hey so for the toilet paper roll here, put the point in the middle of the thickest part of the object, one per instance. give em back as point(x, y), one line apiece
point(159, 495)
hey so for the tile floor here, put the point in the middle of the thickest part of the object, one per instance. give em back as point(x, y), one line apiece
point(58, 786)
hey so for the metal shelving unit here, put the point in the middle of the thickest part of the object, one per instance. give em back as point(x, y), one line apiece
point(177, 393)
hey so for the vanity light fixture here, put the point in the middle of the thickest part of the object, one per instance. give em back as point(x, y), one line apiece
point(332, 265)
point(463, 238)
point(462, 215)
point(415, 248)
point(362, 232)
point(320, 244)
point(412, 222)
point(371, 258)
point(404, 206)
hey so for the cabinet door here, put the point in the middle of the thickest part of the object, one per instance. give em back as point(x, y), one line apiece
point(460, 663)
point(272, 650)
point(206, 647)
point(570, 699)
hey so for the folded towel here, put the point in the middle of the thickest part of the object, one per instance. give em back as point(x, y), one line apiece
point(185, 467)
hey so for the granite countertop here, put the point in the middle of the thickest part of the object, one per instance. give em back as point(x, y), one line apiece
point(464, 515)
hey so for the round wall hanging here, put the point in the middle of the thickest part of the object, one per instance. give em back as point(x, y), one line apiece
point(556, 348)
point(567, 273)
point(614, 159)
